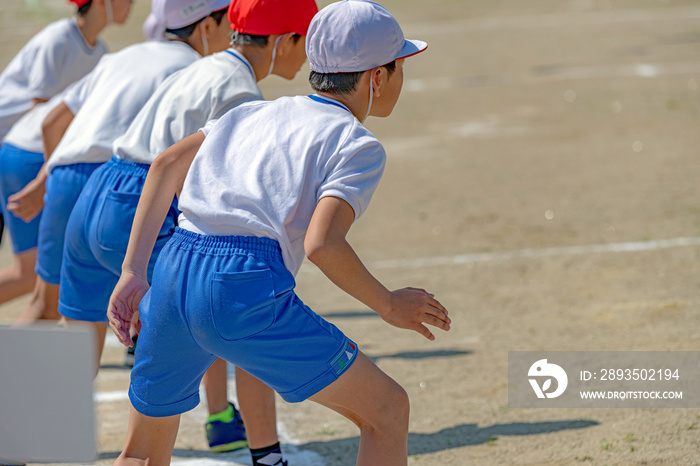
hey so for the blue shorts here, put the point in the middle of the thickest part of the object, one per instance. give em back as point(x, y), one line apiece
point(97, 235)
point(229, 297)
point(17, 168)
point(62, 189)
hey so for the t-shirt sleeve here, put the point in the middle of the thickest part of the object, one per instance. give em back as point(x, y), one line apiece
point(230, 95)
point(44, 81)
point(231, 91)
point(208, 126)
point(356, 174)
point(76, 95)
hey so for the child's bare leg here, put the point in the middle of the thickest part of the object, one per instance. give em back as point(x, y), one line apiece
point(380, 408)
point(257, 406)
point(19, 279)
point(214, 381)
point(99, 330)
point(149, 440)
point(43, 304)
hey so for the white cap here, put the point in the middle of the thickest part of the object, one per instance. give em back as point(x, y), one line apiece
point(176, 14)
point(356, 35)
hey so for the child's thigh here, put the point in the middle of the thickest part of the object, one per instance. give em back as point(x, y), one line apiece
point(366, 395)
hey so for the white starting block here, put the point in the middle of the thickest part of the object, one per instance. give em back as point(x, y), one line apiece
point(47, 411)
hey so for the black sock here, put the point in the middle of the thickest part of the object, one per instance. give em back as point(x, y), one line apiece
point(268, 456)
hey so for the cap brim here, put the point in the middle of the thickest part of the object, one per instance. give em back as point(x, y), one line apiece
point(220, 5)
point(410, 48)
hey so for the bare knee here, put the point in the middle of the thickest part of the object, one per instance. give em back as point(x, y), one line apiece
point(24, 264)
point(401, 406)
point(392, 411)
point(20, 275)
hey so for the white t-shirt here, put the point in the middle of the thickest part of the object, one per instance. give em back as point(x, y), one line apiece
point(185, 101)
point(106, 101)
point(264, 166)
point(26, 133)
point(47, 64)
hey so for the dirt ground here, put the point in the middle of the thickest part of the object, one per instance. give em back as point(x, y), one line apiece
point(527, 133)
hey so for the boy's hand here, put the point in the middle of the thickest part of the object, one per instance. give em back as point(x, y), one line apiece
point(27, 203)
point(123, 310)
point(412, 308)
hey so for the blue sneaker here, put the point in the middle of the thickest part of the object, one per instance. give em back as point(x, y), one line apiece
point(226, 436)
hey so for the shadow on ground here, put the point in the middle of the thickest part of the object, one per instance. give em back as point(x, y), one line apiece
point(444, 353)
point(349, 314)
point(343, 451)
point(115, 367)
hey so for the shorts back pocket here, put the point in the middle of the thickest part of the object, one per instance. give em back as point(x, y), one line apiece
point(115, 219)
point(116, 216)
point(242, 303)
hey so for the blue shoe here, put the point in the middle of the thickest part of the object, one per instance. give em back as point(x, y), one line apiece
point(226, 436)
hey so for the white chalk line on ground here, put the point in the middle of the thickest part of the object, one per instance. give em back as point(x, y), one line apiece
point(111, 397)
point(461, 259)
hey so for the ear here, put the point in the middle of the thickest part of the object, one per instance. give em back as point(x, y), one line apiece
point(286, 44)
point(208, 24)
point(379, 77)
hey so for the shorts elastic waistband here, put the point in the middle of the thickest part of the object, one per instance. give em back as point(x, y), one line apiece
point(125, 166)
point(265, 247)
point(81, 167)
point(12, 148)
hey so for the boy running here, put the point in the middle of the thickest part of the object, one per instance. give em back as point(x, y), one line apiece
point(267, 38)
point(258, 189)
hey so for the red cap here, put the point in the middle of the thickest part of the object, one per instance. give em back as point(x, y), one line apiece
point(79, 2)
point(267, 17)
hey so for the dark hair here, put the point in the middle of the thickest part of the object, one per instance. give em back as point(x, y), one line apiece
point(185, 32)
point(82, 10)
point(341, 83)
point(218, 15)
point(238, 38)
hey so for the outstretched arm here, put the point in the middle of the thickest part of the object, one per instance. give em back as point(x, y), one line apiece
point(164, 180)
point(327, 247)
